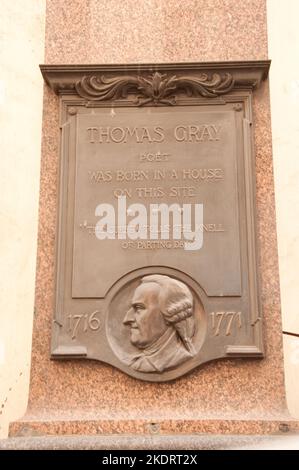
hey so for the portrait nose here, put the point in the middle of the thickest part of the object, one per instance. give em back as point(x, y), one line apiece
point(129, 318)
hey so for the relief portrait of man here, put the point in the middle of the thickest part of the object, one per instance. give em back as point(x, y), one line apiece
point(161, 322)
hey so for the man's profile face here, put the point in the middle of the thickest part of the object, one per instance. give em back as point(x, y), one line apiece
point(145, 317)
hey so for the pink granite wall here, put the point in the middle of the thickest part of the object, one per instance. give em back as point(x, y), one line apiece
point(109, 31)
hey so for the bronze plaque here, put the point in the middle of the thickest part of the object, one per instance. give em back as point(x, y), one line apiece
point(156, 251)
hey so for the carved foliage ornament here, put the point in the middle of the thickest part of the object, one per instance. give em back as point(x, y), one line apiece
point(156, 89)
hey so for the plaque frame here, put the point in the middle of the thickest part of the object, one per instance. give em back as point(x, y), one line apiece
point(231, 82)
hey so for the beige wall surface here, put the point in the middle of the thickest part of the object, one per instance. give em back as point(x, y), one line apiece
point(283, 45)
point(22, 49)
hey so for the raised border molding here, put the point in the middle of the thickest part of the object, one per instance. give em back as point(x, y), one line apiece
point(154, 84)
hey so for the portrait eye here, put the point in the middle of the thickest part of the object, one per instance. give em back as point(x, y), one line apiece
point(139, 307)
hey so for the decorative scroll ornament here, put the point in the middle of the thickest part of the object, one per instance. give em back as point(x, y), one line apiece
point(156, 89)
